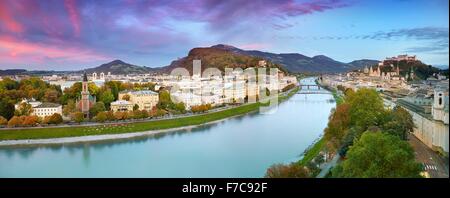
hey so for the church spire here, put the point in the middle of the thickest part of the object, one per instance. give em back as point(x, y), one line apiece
point(85, 79)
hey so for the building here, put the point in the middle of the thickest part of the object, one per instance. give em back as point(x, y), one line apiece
point(47, 109)
point(121, 105)
point(431, 121)
point(87, 101)
point(41, 109)
point(145, 99)
point(32, 102)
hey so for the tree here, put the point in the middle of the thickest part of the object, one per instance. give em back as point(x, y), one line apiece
point(319, 159)
point(56, 118)
point(107, 97)
point(6, 108)
point(70, 108)
point(110, 116)
point(119, 115)
point(14, 121)
point(164, 100)
point(3, 121)
point(379, 155)
point(286, 171)
point(400, 124)
point(101, 117)
point(24, 109)
point(337, 127)
point(135, 107)
point(366, 107)
point(98, 107)
point(30, 120)
point(51, 95)
point(126, 97)
point(180, 107)
point(78, 117)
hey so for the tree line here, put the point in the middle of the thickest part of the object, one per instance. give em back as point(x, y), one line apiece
point(370, 138)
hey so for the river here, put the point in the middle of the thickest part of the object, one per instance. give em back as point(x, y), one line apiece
point(238, 147)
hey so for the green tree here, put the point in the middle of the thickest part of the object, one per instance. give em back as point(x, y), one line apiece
point(366, 107)
point(164, 100)
point(6, 108)
point(70, 108)
point(180, 107)
point(101, 117)
point(24, 109)
point(379, 155)
point(401, 123)
point(135, 107)
point(98, 107)
point(107, 97)
point(8, 84)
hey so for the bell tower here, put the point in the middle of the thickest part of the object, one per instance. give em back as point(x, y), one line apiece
point(85, 96)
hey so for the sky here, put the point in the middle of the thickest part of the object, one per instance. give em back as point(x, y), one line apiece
point(78, 34)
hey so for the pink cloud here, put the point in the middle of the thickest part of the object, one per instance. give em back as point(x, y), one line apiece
point(73, 15)
point(8, 20)
point(16, 51)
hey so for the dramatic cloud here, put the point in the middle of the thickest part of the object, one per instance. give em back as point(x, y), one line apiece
point(131, 28)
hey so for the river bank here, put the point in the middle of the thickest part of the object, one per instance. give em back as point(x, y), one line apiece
point(124, 130)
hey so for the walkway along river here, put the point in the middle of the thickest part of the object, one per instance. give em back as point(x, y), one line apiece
point(238, 147)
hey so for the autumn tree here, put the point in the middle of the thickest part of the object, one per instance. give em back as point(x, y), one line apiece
point(56, 118)
point(126, 97)
point(30, 120)
point(337, 127)
point(78, 117)
point(101, 117)
point(14, 122)
point(24, 109)
point(3, 121)
point(51, 95)
point(287, 171)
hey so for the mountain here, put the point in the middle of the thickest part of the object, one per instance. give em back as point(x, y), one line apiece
point(12, 72)
point(218, 58)
point(120, 67)
point(295, 62)
point(362, 63)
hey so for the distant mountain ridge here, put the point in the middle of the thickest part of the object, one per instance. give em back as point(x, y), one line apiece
point(222, 56)
point(295, 62)
point(217, 58)
point(119, 67)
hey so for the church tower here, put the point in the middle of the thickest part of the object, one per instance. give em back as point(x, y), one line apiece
point(85, 96)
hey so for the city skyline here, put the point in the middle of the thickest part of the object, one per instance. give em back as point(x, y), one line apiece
point(70, 35)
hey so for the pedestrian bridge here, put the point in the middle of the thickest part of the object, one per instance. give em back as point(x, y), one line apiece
point(305, 86)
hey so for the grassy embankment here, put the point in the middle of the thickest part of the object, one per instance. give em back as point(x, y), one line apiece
point(117, 128)
point(312, 152)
